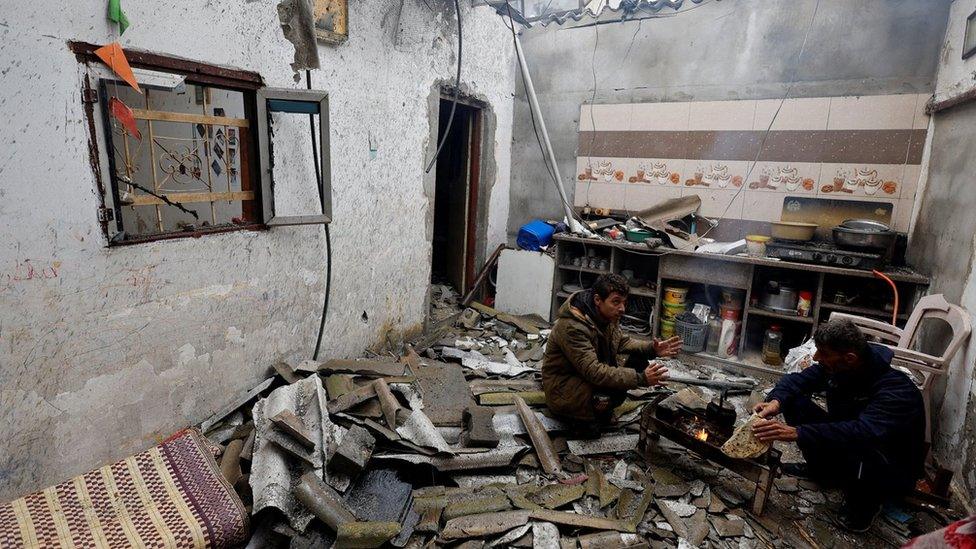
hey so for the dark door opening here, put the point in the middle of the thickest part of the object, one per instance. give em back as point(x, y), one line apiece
point(456, 197)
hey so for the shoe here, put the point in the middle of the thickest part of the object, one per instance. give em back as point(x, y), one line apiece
point(798, 470)
point(857, 518)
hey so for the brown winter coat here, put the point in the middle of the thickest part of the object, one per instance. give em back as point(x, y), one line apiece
point(581, 357)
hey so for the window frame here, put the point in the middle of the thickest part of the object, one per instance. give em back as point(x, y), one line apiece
point(969, 34)
point(109, 213)
point(265, 146)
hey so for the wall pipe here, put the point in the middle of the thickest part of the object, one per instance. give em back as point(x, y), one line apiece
point(574, 225)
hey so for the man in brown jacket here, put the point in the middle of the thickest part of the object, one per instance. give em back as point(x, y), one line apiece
point(581, 375)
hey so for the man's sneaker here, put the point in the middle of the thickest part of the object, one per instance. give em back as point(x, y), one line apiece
point(857, 518)
point(798, 470)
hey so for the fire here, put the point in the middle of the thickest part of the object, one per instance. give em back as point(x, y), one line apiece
point(702, 435)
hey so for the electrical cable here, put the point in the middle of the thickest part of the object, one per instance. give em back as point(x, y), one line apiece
point(457, 92)
point(328, 236)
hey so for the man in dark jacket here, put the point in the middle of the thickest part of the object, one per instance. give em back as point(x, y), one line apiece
point(581, 374)
point(870, 442)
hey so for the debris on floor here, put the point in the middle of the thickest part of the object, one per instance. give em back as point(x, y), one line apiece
point(455, 447)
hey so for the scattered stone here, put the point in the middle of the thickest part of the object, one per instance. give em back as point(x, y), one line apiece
point(813, 497)
point(730, 527)
point(716, 506)
point(671, 490)
point(697, 488)
point(787, 484)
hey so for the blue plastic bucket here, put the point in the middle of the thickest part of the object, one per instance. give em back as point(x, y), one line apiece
point(534, 235)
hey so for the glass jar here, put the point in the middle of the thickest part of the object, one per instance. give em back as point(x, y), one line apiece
point(772, 346)
point(714, 333)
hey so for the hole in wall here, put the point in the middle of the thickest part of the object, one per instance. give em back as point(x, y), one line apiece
point(365, 317)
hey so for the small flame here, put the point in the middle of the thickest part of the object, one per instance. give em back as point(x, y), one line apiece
point(702, 435)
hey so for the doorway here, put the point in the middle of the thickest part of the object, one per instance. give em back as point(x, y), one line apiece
point(456, 196)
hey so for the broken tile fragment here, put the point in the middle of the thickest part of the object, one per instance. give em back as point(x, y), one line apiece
point(289, 423)
point(353, 452)
point(365, 535)
point(787, 484)
point(475, 506)
point(544, 449)
point(732, 526)
point(604, 445)
point(286, 372)
point(483, 524)
point(319, 498)
point(479, 423)
point(545, 535)
point(553, 496)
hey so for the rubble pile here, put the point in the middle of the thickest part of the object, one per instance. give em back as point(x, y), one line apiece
point(449, 444)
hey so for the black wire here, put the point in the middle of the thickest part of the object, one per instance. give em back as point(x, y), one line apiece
point(328, 236)
point(457, 92)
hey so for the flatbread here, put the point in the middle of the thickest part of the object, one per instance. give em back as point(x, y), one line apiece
point(743, 444)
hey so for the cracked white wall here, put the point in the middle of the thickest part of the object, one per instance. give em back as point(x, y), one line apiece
point(105, 351)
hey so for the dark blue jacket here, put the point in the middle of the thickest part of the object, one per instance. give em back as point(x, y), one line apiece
point(879, 410)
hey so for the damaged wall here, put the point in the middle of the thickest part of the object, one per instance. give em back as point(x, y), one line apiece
point(734, 49)
point(104, 351)
point(944, 241)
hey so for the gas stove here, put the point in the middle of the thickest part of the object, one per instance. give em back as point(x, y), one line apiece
point(823, 253)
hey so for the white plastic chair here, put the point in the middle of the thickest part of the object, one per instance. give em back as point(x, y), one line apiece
point(921, 368)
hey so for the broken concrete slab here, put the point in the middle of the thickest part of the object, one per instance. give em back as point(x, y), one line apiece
point(731, 527)
point(544, 449)
point(289, 423)
point(365, 535)
point(445, 392)
point(353, 452)
point(484, 524)
point(319, 498)
point(480, 428)
point(687, 521)
point(604, 445)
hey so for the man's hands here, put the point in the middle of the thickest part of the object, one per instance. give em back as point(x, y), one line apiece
point(655, 373)
point(766, 409)
point(668, 347)
point(767, 430)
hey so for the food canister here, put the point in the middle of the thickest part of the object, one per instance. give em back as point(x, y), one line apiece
point(728, 340)
point(756, 245)
point(675, 294)
point(667, 329)
point(671, 310)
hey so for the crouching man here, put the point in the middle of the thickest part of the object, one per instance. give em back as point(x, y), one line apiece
point(870, 442)
point(581, 376)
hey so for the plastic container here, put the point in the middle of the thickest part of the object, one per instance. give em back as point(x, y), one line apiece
point(672, 310)
point(534, 235)
point(773, 346)
point(727, 313)
point(667, 329)
point(675, 294)
point(732, 298)
point(728, 340)
point(756, 245)
point(714, 331)
point(692, 335)
point(804, 304)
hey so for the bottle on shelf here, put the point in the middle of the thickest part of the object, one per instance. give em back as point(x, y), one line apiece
point(772, 346)
point(714, 333)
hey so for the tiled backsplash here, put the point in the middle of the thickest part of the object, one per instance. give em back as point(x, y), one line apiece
point(633, 156)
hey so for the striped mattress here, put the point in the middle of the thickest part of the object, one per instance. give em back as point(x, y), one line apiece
point(171, 495)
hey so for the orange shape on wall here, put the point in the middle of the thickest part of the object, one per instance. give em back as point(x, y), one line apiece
point(113, 56)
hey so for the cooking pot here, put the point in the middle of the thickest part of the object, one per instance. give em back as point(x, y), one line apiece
point(779, 298)
point(791, 230)
point(864, 234)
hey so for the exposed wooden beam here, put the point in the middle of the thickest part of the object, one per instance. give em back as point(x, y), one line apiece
point(143, 114)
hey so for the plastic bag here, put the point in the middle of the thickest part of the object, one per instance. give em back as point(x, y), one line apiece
point(800, 357)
